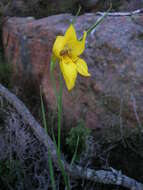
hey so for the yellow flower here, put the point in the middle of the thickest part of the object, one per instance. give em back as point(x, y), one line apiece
point(67, 49)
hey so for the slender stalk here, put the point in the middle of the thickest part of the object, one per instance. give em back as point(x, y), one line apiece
point(59, 104)
point(75, 153)
point(51, 170)
point(52, 177)
point(75, 17)
point(99, 20)
point(43, 112)
point(60, 111)
point(52, 66)
point(58, 99)
point(60, 163)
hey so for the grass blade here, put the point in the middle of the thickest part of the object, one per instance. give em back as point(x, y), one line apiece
point(51, 170)
point(98, 21)
point(75, 153)
point(75, 17)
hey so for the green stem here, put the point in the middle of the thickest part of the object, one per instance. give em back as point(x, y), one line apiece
point(59, 104)
point(58, 101)
point(60, 163)
point(43, 112)
point(99, 20)
point(75, 153)
point(53, 78)
point(51, 170)
point(60, 111)
point(75, 17)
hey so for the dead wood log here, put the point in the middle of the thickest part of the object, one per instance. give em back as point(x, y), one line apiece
point(138, 11)
point(110, 176)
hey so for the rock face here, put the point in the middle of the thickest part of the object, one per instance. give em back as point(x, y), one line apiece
point(113, 97)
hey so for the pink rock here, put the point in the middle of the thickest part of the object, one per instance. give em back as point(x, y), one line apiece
point(114, 56)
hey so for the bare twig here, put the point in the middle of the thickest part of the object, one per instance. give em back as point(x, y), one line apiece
point(111, 176)
point(139, 11)
point(135, 111)
point(121, 121)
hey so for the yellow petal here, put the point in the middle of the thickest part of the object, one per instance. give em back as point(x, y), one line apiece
point(70, 35)
point(82, 67)
point(69, 72)
point(58, 45)
point(77, 46)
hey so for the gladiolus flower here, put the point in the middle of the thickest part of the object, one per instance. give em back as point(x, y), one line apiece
point(67, 50)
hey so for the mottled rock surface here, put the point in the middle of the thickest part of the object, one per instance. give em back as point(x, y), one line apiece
point(113, 97)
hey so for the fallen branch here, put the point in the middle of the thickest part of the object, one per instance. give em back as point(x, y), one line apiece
point(139, 11)
point(110, 176)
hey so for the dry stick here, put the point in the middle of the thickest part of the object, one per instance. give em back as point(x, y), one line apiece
point(135, 111)
point(121, 121)
point(111, 176)
point(121, 13)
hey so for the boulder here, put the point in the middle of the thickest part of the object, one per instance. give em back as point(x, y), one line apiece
point(111, 99)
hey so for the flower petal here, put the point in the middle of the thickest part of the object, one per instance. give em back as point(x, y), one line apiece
point(82, 67)
point(58, 45)
point(76, 46)
point(70, 35)
point(79, 46)
point(69, 72)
